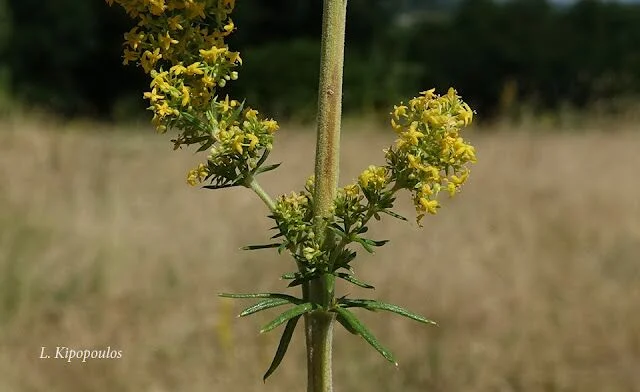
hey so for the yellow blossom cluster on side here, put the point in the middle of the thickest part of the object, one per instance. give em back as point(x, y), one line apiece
point(181, 45)
point(429, 154)
point(294, 215)
point(374, 178)
point(238, 141)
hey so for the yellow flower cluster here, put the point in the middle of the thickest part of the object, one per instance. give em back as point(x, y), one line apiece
point(429, 154)
point(294, 216)
point(348, 201)
point(374, 178)
point(239, 140)
point(181, 45)
point(198, 174)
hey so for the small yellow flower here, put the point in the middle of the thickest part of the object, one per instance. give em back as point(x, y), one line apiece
point(412, 135)
point(451, 188)
point(227, 104)
point(208, 81)
point(174, 22)
point(153, 95)
point(352, 190)
point(133, 38)
point(400, 111)
point(374, 177)
point(194, 69)
point(197, 175)
point(253, 141)
point(212, 54)
point(149, 59)
point(163, 109)
point(129, 56)
point(271, 126)
point(237, 143)
point(229, 27)
point(460, 180)
point(160, 80)
point(396, 127)
point(165, 41)
point(251, 114)
point(157, 7)
point(465, 114)
point(414, 163)
point(195, 10)
point(426, 190)
point(234, 57)
point(186, 95)
point(429, 94)
point(430, 206)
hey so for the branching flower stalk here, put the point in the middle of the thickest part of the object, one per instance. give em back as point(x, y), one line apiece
point(181, 45)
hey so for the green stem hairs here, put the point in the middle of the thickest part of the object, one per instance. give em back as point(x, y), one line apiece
point(181, 45)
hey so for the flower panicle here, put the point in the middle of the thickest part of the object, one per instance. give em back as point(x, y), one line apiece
point(181, 45)
point(429, 154)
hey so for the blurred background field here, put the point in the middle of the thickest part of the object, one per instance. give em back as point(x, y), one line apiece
point(533, 273)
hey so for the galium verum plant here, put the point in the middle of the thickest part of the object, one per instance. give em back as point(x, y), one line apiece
point(181, 45)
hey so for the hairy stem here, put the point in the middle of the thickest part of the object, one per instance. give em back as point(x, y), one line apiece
point(253, 184)
point(319, 324)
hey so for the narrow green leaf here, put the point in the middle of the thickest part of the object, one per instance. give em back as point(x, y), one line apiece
point(373, 305)
point(346, 325)
point(375, 243)
point(257, 247)
point(298, 310)
point(207, 145)
point(290, 275)
point(337, 227)
point(262, 159)
point(263, 305)
point(351, 279)
point(364, 244)
point(282, 346)
point(219, 186)
point(393, 214)
point(354, 324)
point(363, 230)
point(300, 280)
point(337, 232)
point(267, 168)
point(261, 295)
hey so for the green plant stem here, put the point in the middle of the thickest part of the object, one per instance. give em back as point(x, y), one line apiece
point(253, 184)
point(319, 324)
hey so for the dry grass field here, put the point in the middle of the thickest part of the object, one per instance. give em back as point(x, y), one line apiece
point(533, 273)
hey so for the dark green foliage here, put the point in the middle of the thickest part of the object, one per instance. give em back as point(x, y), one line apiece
point(66, 54)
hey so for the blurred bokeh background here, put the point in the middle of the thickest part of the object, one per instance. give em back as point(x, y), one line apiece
point(534, 55)
point(533, 273)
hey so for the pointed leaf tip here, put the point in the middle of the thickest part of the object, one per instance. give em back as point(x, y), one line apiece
point(285, 339)
point(264, 305)
point(353, 324)
point(373, 305)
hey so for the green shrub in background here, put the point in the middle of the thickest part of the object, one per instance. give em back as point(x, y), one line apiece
point(373, 82)
point(541, 55)
point(5, 36)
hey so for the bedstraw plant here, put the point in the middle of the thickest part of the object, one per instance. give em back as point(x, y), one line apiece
point(181, 45)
